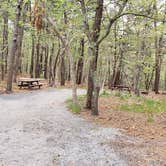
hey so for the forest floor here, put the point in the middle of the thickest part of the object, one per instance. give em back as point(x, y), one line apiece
point(149, 128)
point(37, 130)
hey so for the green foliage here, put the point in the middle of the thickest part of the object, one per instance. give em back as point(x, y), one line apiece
point(122, 95)
point(75, 108)
point(150, 120)
point(104, 94)
point(81, 98)
point(145, 105)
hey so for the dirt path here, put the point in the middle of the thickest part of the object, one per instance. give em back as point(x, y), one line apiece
point(37, 130)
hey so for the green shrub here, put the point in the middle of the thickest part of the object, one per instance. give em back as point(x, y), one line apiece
point(81, 98)
point(75, 108)
point(104, 94)
point(150, 120)
point(123, 95)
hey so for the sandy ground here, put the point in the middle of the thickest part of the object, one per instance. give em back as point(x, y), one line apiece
point(37, 130)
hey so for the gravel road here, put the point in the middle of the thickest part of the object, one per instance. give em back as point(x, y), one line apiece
point(37, 130)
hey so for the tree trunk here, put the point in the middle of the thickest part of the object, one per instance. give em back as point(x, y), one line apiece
point(50, 70)
point(46, 62)
point(18, 53)
point(4, 46)
point(158, 59)
point(37, 65)
point(69, 74)
point(41, 55)
point(158, 63)
point(14, 46)
point(93, 53)
point(20, 40)
point(32, 57)
point(112, 78)
point(95, 110)
point(55, 65)
point(62, 70)
point(136, 80)
point(80, 63)
point(73, 76)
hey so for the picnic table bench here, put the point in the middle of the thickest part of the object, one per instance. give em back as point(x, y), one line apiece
point(29, 82)
point(121, 87)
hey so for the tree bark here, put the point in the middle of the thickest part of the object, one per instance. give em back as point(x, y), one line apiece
point(4, 46)
point(95, 110)
point(20, 41)
point(73, 75)
point(80, 63)
point(93, 52)
point(37, 64)
point(14, 46)
point(32, 57)
point(46, 62)
point(62, 70)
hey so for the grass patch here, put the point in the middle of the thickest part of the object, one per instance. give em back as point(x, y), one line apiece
point(122, 95)
point(104, 94)
point(150, 120)
point(75, 108)
point(81, 98)
point(144, 105)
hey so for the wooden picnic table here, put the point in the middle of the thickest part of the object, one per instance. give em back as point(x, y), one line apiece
point(30, 82)
point(121, 87)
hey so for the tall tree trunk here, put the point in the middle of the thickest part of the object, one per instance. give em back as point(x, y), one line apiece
point(93, 54)
point(41, 57)
point(158, 62)
point(50, 70)
point(46, 62)
point(20, 41)
point(62, 70)
point(14, 46)
point(118, 73)
point(18, 53)
point(37, 64)
point(109, 73)
point(95, 101)
point(55, 65)
point(115, 57)
point(32, 57)
point(80, 63)
point(4, 46)
point(73, 75)
point(158, 58)
point(68, 74)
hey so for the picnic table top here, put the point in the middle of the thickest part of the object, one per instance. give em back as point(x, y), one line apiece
point(121, 86)
point(30, 79)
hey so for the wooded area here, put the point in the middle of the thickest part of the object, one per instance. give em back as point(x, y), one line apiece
point(102, 59)
point(101, 43)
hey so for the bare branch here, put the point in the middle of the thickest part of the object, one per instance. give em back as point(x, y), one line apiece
point(112, 20)
point(86, 24)
point(53, 23)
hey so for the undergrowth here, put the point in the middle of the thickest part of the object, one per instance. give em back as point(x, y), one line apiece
point(75, 108)
point(130, 102)
point(141, 104)
point(104, 93)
